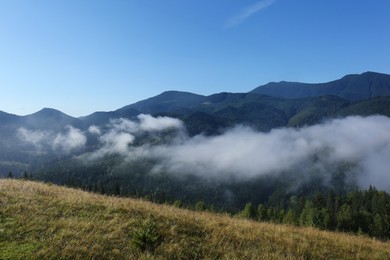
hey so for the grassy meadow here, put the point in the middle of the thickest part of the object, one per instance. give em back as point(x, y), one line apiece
point(40, 220)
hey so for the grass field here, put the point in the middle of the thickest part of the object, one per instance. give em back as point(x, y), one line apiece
point(46, 221)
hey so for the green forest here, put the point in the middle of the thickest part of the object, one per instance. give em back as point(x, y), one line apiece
point(360, 212)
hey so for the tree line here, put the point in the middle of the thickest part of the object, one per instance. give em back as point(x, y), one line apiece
point(360, 212)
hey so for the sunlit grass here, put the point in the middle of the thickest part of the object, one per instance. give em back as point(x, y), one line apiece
point(46, 221)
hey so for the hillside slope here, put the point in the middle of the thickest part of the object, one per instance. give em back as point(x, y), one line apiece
point(46, 221)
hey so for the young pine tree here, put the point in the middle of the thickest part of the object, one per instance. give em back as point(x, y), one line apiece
point(249, 212)
point(262, 212)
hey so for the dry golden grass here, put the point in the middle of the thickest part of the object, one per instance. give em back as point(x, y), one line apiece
point(46, 221)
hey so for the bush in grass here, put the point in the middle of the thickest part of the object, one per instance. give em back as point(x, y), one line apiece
point(146, 237)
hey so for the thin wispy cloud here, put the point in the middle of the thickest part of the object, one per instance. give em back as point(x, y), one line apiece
point(248, 12)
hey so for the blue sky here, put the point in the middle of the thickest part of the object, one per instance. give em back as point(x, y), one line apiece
point(94, 55)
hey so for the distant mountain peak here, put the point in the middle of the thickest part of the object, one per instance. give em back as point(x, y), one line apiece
point(170, 92)
point(174, 94)
point(373, 73)
point(49, 112)
point(165, 102)
point(352, 87)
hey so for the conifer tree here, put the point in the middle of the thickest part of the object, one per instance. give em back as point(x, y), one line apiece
point(290, 218)
point(249, 212)
point(262, 212)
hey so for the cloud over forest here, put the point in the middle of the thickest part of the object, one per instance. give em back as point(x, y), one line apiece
point(243, 153)
point(71, 139)
point(361, 144)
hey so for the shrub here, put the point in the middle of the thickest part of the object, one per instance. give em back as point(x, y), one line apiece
point(178, 204)
point(200, 206)
point(147, 236)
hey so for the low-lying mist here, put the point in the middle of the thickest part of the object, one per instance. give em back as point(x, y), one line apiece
point(361, 144)
point(66, 142)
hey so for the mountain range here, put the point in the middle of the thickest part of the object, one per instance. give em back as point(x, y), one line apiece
point(265, 107)
point(274, 105)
